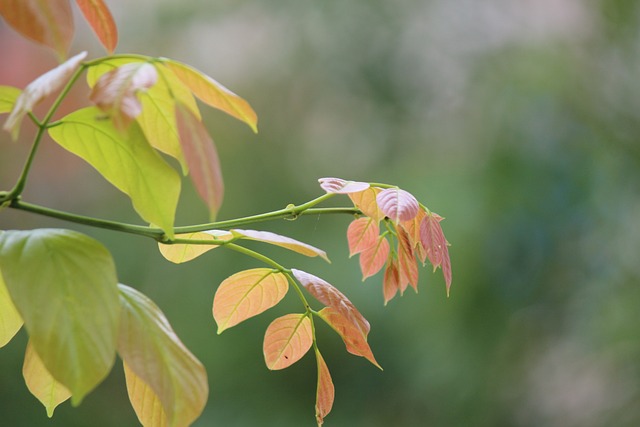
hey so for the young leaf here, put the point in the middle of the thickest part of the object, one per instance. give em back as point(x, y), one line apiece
point(63, 283)
point(39, 89)
point(10, 320)
point(153, 352)
point(407, 265)
point(115, 93)
point(355, 339)
point(340, 186)
point(40, 382)
point(8, 97)
point(99, 18)
point(286, 340)
point(373, 258)
point(413, 232)
point(179, 253)
point(397, 204)
point(213, 93)
point(366, 201)
point(391, 281)
point(247, 294)
point(126, 161)
point(145, 402)
point(202, 158)
point(282, 241)
point(362, 234)
point(49, 23)
point(436, 245)
point(325, 392)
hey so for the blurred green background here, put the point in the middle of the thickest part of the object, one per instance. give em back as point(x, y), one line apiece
point(517, 121)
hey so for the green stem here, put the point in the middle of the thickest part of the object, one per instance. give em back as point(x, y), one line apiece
point(256, 255)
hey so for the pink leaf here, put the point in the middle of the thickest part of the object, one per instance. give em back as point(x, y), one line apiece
point(373, 259)
point(325, 392)
point(391, 281)
point(340, 186)
point(202, 158)
point(397, 204)
point(286, 340)
point(436, 245)
point(362, 234)
point(98, 16)
point(412, 228)
point(407, 265)
point(366, 201)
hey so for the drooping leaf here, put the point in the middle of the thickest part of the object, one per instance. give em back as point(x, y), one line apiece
point(282, 241)
point(332, 297)
point(362, 234)
point(99, 18)
point(125, 160)
point(202, 159)
point(391, 281)
point(354, 337)
point(413, 232)
point(10, 320)
point(397, 204)
point(247, 294)
point(39, 89)
point(213, 93)
point(340, 186)
point(63, 284)
point(325, 391)
point(49, 23)
point(407, 264)
point(179, 252)
point(153, 352)
point(145, 402)
point(436, 245)
point(286, 340)
point(8, 97)
point(40, 382)
point(366, 201)
point(116, 92)
point(373, 258)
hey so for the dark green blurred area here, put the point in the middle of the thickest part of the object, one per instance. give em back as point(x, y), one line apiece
point(517, 121)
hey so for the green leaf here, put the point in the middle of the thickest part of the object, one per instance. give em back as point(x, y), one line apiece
point(153, 352)
point(63, 284)
point(8, 96)
point(126, 160)
point(40, 382)
point(98, 16)
point(10, 320)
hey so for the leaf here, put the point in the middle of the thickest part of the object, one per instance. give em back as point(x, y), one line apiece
point(213, 93)
point(391, 281)
point(145, 402)
point(436, 245)
point(153, 352)
point(332, 297)
point(373, 258)
point(362, 234)
point(40, 89)
point(325, 392)
point(407, 265)
point(202, 159)
point(179, 253)
point(397, 204)
point(247, 294)
point(8, 97)
point(412, 228)
point(286, 340)
point(40, 382)
point(99, 18)
point(340, 186)
point(282, 241)
point(63, 283)
point(126, 161)
point(116, 91)
point(366, 202)
point(10, 320)
point(49, 23)
point(355, 339)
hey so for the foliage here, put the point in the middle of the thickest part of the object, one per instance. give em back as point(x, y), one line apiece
point(63, 286)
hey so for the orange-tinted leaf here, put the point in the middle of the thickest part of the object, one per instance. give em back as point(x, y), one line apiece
point(332, 297)
point(355, 339)
point(247, 294)
point(99, 17)
point(286, 340)
point(373, 258)
point(397, 204)
point(40, 382)
point(362, 234)
point(340, 186)
point(412, 228)
point(145, 402)
point(282, 241)
point(179, 252)
point(39, 89)
point(47, 22)
point(325, 392)
point(115, 93)
point(202, 158)
point(366, 202)
point(391, 281)
point(436, 245)
point(407, 265)
point(214, 94)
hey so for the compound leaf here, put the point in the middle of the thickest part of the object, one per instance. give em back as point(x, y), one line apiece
point(180, 252)
point(397, 204)
point(325, 391)
point(99, 18)
point(282, 241)
point(340, 186)
point(40, 382)
point(286, 340)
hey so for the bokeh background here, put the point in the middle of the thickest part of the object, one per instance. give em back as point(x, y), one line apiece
point(517, 121)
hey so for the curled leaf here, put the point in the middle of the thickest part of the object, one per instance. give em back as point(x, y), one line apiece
point(180, 252)
point(282, 241)
point(340, 186)
point(397, 204)
point(325, 391)
point(40, 382)
point(286, 340)
point(366, 201)
point(99, 18)
point(436, 245)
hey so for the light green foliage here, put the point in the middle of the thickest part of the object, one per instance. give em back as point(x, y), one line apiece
point(8, 96)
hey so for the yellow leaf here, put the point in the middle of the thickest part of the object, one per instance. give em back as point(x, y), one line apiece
point(40, 382)
point(10, 320)
point(145, 402)
point(180, 252)
point(286, 340)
